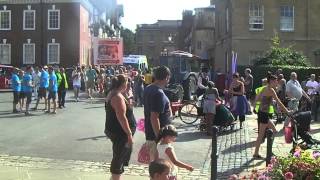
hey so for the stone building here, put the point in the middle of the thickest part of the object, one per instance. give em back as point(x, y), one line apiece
point(246, 27)
point(203, 33)
point(157, 38)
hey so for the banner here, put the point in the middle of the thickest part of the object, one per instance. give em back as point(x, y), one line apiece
point(108, 51)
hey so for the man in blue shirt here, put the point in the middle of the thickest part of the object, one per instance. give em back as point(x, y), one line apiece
point(44, 84)
point(53, 88)
point(91, 79)
point(16, 87)
point(27, 88)
point(157, 111)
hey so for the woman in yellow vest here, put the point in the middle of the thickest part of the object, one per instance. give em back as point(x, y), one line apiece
point(62, 87)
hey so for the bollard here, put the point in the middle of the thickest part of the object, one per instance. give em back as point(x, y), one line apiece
point(269, 145)
point(214, 153)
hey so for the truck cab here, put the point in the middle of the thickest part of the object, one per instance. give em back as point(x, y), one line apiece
point(138, 62)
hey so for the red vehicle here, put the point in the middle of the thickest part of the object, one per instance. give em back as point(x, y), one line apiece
point(5, 76)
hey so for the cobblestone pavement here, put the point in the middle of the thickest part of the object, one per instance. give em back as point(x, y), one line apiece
point(85, 166)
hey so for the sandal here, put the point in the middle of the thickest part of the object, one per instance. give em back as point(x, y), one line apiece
point(257, 156)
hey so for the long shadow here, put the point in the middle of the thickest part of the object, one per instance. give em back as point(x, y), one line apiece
point(92, 138)
point(5, 102)
point(225, 174)
point(191, 136)
point(95, 107)
point(238, 147)
point(19, 116)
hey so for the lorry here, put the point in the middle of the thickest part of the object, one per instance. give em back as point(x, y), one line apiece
point(185, 68)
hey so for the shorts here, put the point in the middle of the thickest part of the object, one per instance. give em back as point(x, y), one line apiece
point(121, 155)
point(22, 95)
point(152, 146)
point(249, 95)
point(52, 95)
point(263, 117)
point(16, 97)
point(28, 95)
point(76, 86)
point(42, 93)
point(90, 84)
point(209, 106)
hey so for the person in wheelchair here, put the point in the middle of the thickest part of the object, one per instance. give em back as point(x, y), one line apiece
point(209, 105)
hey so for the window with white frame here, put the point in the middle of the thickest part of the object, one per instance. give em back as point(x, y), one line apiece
point(29, 19)
point(53, 19)
point(286, 18)
point(5, 53)
point(256, 17)
point(29, 53)
point(53, 53)
point(5, 20)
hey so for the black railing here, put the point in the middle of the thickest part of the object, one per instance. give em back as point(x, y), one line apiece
point(270, 138)
point(214, 153)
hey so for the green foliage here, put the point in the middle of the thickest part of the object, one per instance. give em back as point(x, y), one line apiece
point(278, 56)
point(128, 41)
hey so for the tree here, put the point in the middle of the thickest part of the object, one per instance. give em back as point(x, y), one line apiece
point(278, 56)
point(128, 41)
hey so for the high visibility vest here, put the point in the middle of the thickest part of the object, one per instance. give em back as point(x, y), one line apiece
point(258, 91)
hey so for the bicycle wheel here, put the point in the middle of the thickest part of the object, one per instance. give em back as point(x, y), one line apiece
point(188, 113)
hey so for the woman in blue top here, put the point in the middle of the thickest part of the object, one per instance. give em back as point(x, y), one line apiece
point(53, 88)
point(16, 87)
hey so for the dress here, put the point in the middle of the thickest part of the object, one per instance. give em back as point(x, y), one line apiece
point(239, 104)
point(162, 155)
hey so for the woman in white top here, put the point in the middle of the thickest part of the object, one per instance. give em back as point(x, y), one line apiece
point(76, 81)
point(165, 149)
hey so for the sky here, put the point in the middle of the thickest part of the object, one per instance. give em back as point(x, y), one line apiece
point(149, 11)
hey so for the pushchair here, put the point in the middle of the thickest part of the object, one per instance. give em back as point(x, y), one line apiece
point(298, 132)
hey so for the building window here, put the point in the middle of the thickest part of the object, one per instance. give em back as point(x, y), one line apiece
point(256, 17)
point(53, 53)
point(5, 20)
point(53, 19)
point(151, 37)
point(286, 18)
point(254, 55)
point(5, 53)
point(199, 45)
point(227, 20)
point(29, 53)
point(29, 19)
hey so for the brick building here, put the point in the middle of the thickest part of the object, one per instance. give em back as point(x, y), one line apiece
point(247, 26)
point(40, 32)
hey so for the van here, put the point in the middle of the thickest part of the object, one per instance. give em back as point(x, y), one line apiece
point(138, 62)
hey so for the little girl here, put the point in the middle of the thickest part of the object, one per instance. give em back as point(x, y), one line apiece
point(165, 149)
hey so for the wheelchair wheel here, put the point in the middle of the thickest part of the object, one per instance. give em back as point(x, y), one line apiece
point(188, 113)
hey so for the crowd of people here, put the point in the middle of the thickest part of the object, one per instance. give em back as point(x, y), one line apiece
point(124, 88)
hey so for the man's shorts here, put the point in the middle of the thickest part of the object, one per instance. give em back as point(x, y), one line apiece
point(52, 95)
point(90, 84)
point(22, 95)
point(28, 95)
point(16, 97)
point(42, 93)
point(152, 146)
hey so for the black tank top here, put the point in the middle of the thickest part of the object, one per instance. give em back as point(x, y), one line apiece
point(112, 125)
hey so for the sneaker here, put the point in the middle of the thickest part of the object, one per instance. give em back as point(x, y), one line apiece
point(47, 112)
point(15, 111)
point(54, 112)
point(27, 113)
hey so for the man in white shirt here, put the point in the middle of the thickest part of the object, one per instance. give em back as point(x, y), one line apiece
point(36, 80)
point(311, 85)
point(295, 92)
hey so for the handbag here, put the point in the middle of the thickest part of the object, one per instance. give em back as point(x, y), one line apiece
point(144, 154)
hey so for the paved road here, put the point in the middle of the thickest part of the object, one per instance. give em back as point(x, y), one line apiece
point(76, 133)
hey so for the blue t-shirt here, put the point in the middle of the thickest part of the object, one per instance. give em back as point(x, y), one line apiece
point(53, 83)
point(91, 74)
point(16, 83)
point(155, 101)
point(44, 79)
point(27, 78)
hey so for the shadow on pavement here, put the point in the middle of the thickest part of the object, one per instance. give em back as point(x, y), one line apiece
point(226, 174)
point(92, 138)
point(238, 147)
point(191, 136)
point(95, 107)
point(18, 116)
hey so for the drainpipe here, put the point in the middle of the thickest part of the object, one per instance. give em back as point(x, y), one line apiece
point(42, 60)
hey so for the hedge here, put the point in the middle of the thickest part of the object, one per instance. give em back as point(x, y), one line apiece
point(260, 72)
